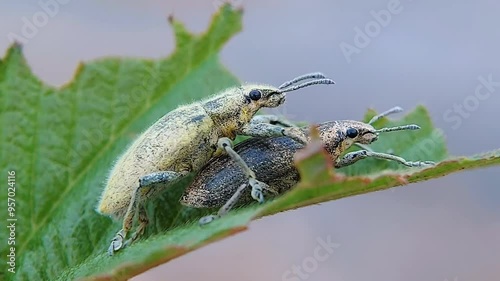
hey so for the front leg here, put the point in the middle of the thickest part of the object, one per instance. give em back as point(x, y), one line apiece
point(353, 157)
point(256, 129)
point(260, 126)
point(148, 185)
point(257, 186)
point(227, 206)
point(272, 119)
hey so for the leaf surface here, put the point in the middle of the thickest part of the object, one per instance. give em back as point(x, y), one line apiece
point(62, 142)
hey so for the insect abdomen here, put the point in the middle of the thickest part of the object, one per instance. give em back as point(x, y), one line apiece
point(270, 158)
point(179, 142)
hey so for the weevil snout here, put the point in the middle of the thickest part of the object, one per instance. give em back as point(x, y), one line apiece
point(278, 98)
point(273, 99)
point(369, 136)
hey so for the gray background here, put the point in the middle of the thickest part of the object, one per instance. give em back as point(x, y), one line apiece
point(430, 53)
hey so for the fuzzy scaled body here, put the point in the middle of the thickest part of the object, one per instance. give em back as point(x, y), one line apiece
point(181, 141)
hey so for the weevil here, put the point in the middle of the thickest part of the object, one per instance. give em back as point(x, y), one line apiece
point(184, 140)
point(221, 183)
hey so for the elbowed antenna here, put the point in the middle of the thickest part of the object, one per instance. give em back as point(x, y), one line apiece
point(307, 84)
point(398, 128)
point(393, 110)
point(314, 75)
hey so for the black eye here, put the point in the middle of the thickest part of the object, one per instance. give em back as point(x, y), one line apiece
point(255, 94)
point(352, 133)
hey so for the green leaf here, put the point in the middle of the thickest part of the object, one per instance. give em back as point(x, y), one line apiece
point(371, 175)
point(308, 193)
point(62, 142)
point(319, 184)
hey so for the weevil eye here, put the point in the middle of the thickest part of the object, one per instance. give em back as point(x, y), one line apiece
point(352, 133)
point(255, 94)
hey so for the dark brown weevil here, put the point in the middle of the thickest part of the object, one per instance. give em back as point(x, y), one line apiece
point(222, 182)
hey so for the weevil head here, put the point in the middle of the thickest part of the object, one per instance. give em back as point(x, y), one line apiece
point(241, 103)
point(235, 107)
point(258, 96)
point(244, 102)
point(338, 136)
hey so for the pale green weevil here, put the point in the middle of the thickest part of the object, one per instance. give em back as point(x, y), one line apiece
point(184, 140)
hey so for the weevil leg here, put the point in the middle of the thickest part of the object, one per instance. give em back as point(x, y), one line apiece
point(152, 183)
point(257, 186)
point(227, 206)
point(116, 242)
point(255, 129)
point(143, 223)
point(353, 157)
point(272, 119)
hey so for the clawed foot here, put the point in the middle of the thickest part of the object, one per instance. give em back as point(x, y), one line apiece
point(258, 188)
point(116, 243)
point(208, 219)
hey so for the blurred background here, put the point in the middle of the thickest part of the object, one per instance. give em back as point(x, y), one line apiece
point(443, 54)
